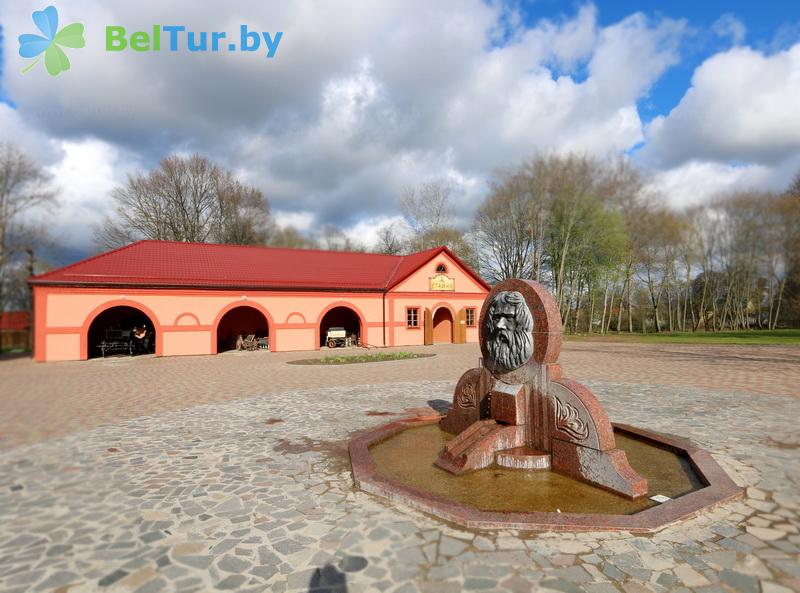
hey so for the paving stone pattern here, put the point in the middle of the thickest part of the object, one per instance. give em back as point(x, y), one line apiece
point(40, 401)
point(255, 494)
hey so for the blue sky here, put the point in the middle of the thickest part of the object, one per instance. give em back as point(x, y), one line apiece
point(770, 26)
point(359, 104)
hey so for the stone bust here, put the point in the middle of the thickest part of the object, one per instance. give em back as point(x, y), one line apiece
point(508, 328)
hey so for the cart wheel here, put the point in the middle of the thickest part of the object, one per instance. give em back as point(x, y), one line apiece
point(331, 343)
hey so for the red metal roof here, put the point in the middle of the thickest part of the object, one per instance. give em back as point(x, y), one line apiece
point(206, 265)
point(15, 320)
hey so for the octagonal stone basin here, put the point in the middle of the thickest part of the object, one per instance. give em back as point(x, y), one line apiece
point(396, 461)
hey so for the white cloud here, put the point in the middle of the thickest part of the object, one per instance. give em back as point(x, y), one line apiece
point(365, 232)
point(82, 172)
point(697, 182)
point(301, 221)
point(362, 102)
point(33, 141)
point(84, 177)
point(729, 27)
point(742, 106)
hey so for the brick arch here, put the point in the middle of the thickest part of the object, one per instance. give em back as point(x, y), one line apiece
point(186, 314)
point(444, 304)
point(242, 303)
point(87, 323)
point(435, 309)
point(293, 314)
point(348, 305)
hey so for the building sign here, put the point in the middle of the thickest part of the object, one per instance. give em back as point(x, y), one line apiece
point(442, 282)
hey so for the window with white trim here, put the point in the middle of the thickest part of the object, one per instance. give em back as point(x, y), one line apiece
point(470, 316)
point(412, 317)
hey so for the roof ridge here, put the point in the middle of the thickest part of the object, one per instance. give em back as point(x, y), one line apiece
point(211, 264)
point(271, 247)
point(394, 271)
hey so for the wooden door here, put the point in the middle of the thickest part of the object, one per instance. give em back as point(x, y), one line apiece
point(460, 329)
point(428, 327)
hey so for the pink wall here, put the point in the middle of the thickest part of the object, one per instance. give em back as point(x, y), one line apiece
point(186, 321)
point(415, 291)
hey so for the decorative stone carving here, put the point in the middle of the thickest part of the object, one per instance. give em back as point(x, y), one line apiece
point(468, 396)
point(470, 401)
point(568, 420)
point(509, 331)
point(519, 411)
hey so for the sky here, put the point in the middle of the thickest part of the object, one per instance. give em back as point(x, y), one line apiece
point(362, 99)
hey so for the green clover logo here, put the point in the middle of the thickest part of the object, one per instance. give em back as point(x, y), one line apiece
point(32, 46)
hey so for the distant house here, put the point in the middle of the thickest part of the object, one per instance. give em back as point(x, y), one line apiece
point(15, 329)
point(198, 298)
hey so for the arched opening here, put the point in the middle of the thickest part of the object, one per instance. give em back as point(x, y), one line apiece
point(340, 326)
point(121, 330)
point(241, 321)
point(442, 326)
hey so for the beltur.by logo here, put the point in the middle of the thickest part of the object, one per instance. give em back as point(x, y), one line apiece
point(50, 42)
point(173, 37)
point(177, 37)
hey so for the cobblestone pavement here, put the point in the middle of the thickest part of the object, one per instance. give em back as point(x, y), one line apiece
point(255, 494)
point(39, 401)
point(221, 473)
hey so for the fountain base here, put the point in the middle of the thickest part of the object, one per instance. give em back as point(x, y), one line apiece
point(397, 461)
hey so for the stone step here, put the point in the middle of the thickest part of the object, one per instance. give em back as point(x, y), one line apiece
point(523, 458)
point(475, 447)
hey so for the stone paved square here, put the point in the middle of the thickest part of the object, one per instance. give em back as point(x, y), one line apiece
point(231, 473)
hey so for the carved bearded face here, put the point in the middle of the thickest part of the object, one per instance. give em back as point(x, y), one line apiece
point(508, 326)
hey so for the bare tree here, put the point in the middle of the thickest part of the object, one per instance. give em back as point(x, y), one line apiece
point(783, 254)
point(334, 239)
point(655, 242)
point(455, 240)
point(23, 187)
point(243, 214)
point(290, 238)
point(187, 199)
point(428, 211)
point(389, 241)
point(558, 219)
point(426, 208)
point(503, 229)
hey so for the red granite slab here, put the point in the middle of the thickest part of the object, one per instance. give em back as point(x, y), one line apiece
point(719, 488)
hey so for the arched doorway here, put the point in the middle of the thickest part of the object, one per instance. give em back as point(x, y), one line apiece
point(340, 317)
point(240, 321)
point(442, 326)
point(121, 330)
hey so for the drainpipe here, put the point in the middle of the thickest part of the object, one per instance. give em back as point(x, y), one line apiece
point(383, 312)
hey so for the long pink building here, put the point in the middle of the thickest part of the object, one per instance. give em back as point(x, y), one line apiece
point(194, 298)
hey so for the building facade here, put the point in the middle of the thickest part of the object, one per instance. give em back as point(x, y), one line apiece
point(193, 299)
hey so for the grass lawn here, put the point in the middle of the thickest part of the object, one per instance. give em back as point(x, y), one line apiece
point(752, 337)
point(357, 358)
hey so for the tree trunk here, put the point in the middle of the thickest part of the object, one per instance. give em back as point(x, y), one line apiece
point(669, 306)
point(561, 266)
point(687, 302)
point(778, 306)
point(630, 299)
